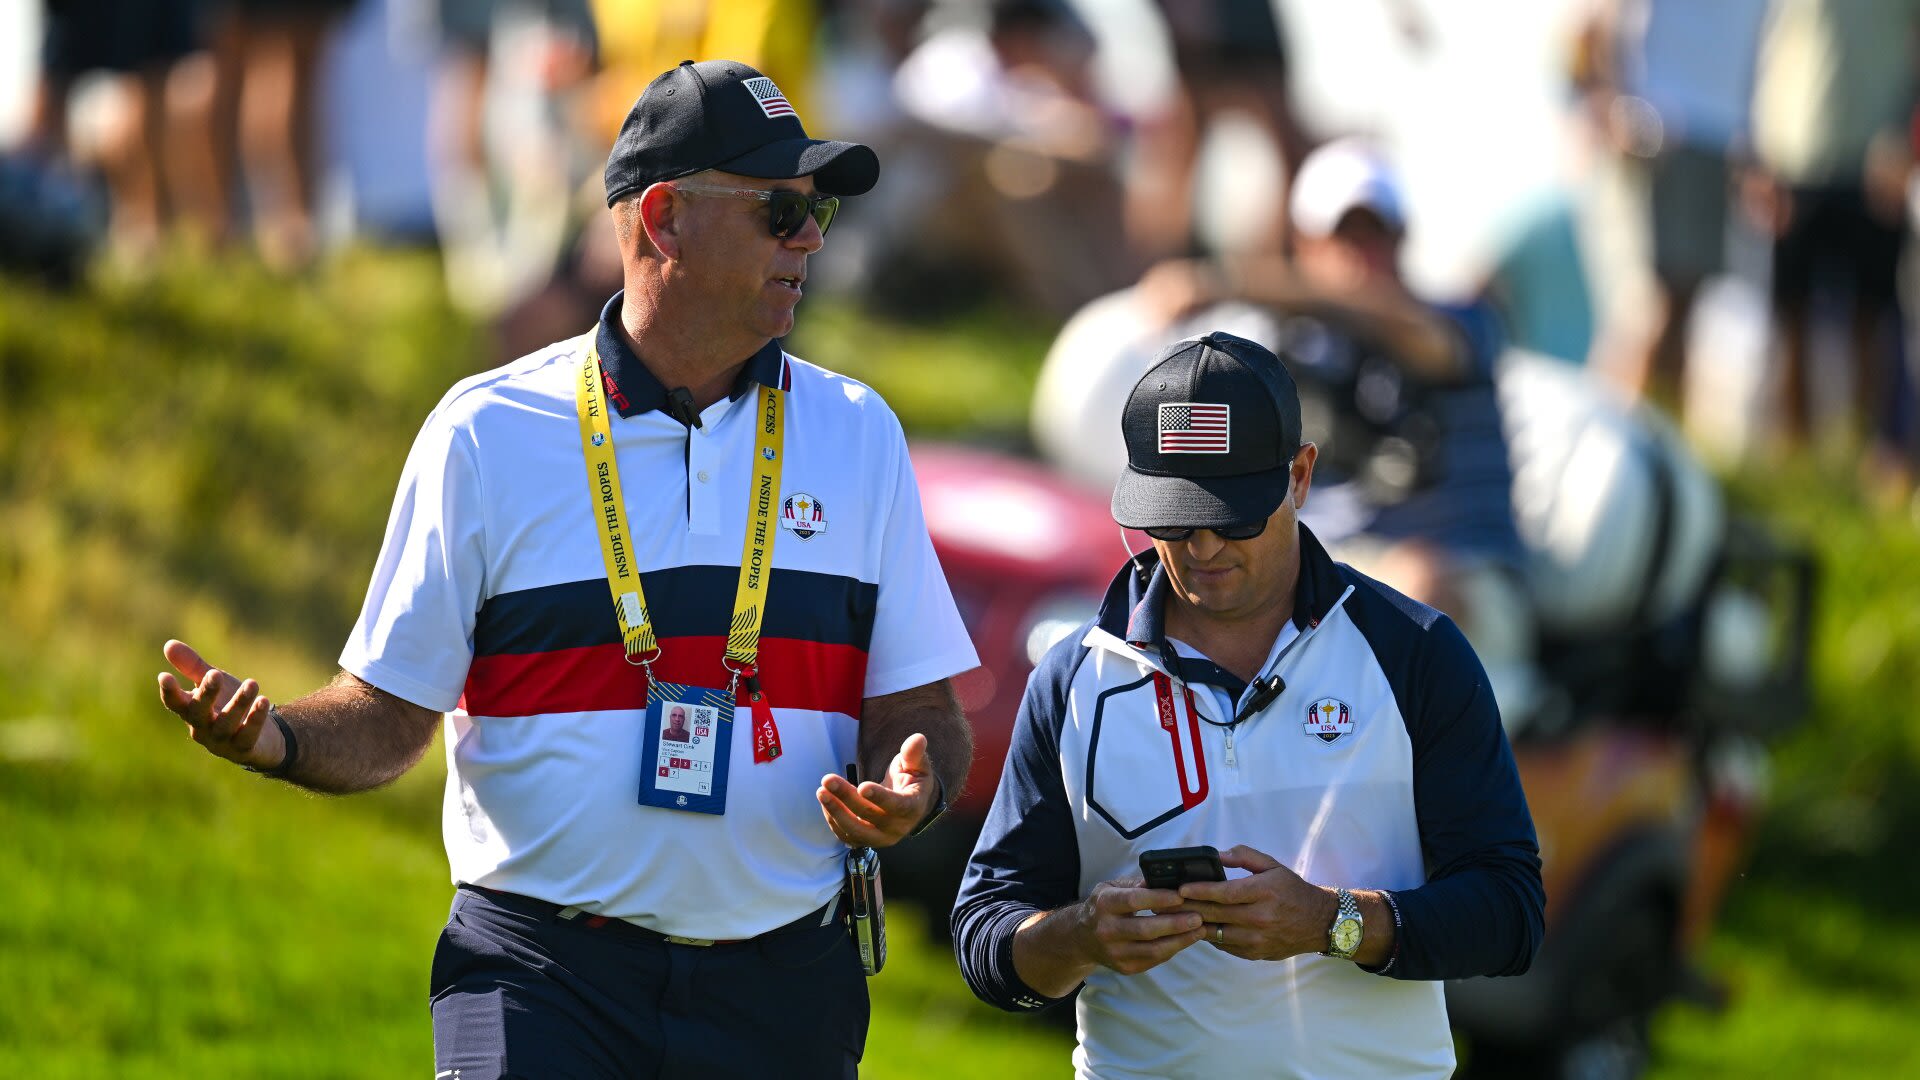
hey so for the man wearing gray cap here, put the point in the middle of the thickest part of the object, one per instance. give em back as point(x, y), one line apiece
point(667, 583)
point(1243, 703)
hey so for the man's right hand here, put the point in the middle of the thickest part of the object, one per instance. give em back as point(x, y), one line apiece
point(1056, 951)
point(228, 716)
point(1115, 936)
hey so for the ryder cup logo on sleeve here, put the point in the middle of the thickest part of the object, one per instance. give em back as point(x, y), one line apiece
point(771, 100)
point(1191, 427)
point(1329, 718)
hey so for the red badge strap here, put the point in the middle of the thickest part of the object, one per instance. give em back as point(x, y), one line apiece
point(766, 733)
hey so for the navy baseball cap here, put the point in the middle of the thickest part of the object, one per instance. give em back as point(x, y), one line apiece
point(722, 114)
point(1211, 430)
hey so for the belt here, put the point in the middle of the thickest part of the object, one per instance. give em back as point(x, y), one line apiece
point(621, 928)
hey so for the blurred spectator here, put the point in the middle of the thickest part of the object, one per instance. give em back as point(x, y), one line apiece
point(636, 41)
point(1349, 224)
point(639, 39)
point(1021, 192)
point(261, 96)
point(1539, 279)
point(1833, 105)
point(865, 42)
point(862, 45)
point(48, 223)
point(1230, 56)
point(1450, 541)
point(1669, 86)
point(135, 43)
point(501, 145)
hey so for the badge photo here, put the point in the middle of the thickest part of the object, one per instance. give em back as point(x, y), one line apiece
point(803, 516)
point(1328, 719)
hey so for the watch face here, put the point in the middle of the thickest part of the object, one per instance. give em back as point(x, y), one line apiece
point(1346, 936)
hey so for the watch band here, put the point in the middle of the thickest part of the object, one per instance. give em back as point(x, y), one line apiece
point(939, 807)
point(1349, 911)
point(289, 758)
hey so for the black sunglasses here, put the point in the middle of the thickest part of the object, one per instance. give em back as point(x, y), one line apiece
point(1224, 532)
point(787, 211)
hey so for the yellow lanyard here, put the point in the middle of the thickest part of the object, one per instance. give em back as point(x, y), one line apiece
point(616, 548)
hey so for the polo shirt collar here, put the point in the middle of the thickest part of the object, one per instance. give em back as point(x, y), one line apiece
point(634, 390)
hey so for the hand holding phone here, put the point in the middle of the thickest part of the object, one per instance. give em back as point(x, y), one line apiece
point(1170, 868)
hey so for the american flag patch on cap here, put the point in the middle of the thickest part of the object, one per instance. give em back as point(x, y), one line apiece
point(1191, 427)
point(772, 102)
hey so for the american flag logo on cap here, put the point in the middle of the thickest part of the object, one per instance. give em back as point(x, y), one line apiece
point(1191, 427)
point(771, 100)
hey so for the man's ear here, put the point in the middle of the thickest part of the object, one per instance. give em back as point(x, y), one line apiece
point(1302, 469)
point(662, 220)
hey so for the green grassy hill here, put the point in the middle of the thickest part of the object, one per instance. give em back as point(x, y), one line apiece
point(210, 455)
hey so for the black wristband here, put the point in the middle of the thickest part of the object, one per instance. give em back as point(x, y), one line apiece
point(292, 755)
point(939, 807)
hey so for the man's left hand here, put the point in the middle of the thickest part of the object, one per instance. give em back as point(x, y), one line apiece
point(1271, 915)
point(882, 814)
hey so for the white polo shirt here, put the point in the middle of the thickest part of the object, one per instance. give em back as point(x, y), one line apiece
point(490, 603)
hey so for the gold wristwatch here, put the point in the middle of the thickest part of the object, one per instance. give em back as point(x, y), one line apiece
point(1343, 937)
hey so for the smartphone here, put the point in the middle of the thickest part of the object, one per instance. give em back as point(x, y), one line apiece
point(1170, 868)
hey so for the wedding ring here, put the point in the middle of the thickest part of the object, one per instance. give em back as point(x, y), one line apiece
point(1219, 933)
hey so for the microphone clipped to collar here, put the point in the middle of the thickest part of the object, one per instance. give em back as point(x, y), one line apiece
point(680, 406)
point(1265, 690)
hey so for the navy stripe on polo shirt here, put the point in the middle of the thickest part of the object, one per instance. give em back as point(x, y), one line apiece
point(548, 649)
point(686, 601)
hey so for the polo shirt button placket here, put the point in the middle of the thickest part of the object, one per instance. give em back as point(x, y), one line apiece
point(704, 508)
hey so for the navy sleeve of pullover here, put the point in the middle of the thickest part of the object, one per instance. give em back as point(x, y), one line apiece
point(1027, 859)
point(1482, 909)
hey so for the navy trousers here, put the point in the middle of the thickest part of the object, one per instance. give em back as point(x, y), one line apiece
point(519, 992)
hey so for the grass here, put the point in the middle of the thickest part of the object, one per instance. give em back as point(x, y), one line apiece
point(210, 454)
point(1821, 938)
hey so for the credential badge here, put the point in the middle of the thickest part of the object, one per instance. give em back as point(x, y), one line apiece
point(803, 515)
point(1329, 719)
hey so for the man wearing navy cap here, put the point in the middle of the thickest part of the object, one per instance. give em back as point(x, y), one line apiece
point(668, 584)
point(1336, 742)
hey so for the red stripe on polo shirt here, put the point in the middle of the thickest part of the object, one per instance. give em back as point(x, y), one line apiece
point(794, 674)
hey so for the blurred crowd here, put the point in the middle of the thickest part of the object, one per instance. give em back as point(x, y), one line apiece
point(1737, 176)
